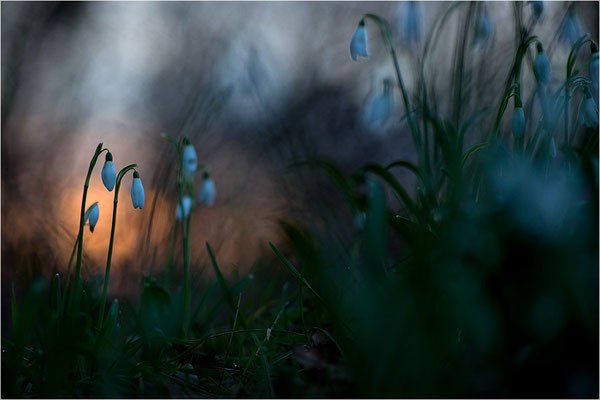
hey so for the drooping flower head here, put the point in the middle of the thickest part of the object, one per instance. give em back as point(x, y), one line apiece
point(207, 191)
point(187, 206)
point(109, 175)
point(541, 66)
point(570, 28)
point(378, 111)
point(518, 119)
point(92, 214)
point(484, 30)
point(358, 44)
point(137, 191)
point(189, 158)
point(408, 22)
point(587, 111)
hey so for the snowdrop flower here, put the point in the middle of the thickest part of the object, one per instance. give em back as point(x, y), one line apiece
point(378, 111)
point(537, 8)
point(189, 159)
point(358, 45)
point(518, 120)
point(109, 175)
point(409, 22)
point(552, 148)
point(483, 30)
point(187, 206)
point(570, 28)
point(207, 192)
point(360, 218)
point(541, 66)
point(587, 111)
point(93, 215)
point(137, 191)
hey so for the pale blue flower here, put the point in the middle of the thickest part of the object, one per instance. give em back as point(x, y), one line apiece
point(484, 30)
point(189, 159)
point(587, 111)
point(570, 28)
point(358, 45)
point(137, 191)
point(93, 214)
point(409, 22)
point(187, 206)
point(207, 191)
point(518, 122)
point(360, 219)
point(109, 175)
point(378, 112)
point(541, 66)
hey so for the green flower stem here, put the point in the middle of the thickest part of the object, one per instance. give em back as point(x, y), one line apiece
point(64, 298)
point(74, 304)
point(514, 77)
point(385, 32)
point(120, 176)
point(186, 247)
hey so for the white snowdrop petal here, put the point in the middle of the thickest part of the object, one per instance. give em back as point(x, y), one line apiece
point(109, 175)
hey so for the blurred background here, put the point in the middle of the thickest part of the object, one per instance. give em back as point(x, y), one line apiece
point(255, 86)
point(258, 87)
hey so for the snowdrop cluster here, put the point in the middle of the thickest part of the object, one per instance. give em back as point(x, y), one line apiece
point(189, 166)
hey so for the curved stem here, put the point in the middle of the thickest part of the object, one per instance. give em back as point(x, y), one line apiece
point(385, 31)
point(112, 237)
point(75, 302)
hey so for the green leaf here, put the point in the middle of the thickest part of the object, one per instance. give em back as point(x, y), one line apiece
point(295, 272)
point(221, 279)
point(330, 337)
point(472, 150)
point(396, 186)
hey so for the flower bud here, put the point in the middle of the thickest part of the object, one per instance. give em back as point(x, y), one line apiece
point(94, 214)
point(207, 192)
point(187, 206)
point(189, 159)
point(570, 28)
point(109, 175)
point(518, 121)
point(137, 191)
point(587, 111)
point(541, 66)
point(358, 45)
